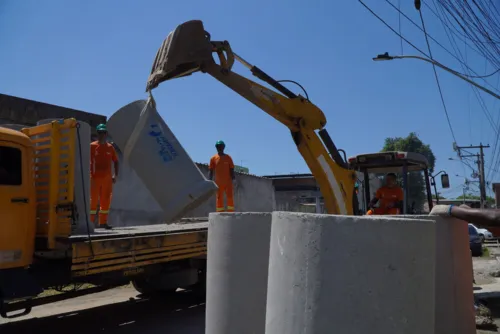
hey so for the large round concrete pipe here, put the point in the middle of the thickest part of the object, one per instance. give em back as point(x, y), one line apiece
point(238, 257)
point(340, 274)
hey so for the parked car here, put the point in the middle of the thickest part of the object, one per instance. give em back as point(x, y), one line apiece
point(475, 241)
point(484, 234)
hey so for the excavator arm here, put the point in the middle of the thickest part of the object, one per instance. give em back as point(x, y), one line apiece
point(188, 49)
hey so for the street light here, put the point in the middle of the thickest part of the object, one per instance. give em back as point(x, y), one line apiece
point(445, 182)
point(386, 56)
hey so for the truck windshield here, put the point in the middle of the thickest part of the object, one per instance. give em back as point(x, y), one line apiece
point(416, 201)
point(10, 166)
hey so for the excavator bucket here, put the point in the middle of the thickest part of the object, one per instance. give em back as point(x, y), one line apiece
point(182, 53)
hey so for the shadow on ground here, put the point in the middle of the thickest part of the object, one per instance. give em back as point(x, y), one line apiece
point(181, 312)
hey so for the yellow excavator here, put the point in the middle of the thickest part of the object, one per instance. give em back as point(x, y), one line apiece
point(189, 49)
point(46, 239)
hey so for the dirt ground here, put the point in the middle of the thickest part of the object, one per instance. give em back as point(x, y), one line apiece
point(123, 311)
point(117, 311)
point(487, 280)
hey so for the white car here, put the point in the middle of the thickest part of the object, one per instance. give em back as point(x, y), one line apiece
point(483, 233)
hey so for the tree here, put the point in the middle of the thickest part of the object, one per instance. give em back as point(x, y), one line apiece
point(489, 200)
point(416, 181)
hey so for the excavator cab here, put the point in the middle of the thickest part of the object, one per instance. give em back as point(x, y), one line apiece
point(412, 170)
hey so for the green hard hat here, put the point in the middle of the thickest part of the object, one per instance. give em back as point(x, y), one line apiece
point(220, 142)
point(101, 127)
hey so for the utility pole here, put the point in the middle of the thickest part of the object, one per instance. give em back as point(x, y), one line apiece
point(480, 165)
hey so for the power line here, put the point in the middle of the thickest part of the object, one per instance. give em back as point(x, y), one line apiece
point(422, 52)
point(478, 96)
point(463, 63)
point(392, 29)
point(477, 76)
point(446, 25)
point(437, 78)
point(401, 39)
point(480, 166)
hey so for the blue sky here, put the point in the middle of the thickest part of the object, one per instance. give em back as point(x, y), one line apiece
point(96, 56)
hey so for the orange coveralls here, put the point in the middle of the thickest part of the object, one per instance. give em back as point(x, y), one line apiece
point(387, 196)
point(221, 166)
point(101, 179)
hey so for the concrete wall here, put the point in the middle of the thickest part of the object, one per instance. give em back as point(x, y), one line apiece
point(251, 194)
point(133, 205)
point(297, 201)
point(297, 194)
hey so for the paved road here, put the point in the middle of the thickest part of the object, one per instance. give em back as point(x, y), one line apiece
point(115, 311)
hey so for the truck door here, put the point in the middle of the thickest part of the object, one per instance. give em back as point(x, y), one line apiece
point(17, 210)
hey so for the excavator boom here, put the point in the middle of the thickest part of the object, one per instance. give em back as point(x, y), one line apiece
point(189, 49)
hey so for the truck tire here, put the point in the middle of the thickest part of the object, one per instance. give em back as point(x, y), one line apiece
point(200, 288)
point(144, 287)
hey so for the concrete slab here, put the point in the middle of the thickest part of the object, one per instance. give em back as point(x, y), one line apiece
point(237, 260)
point(344, 274)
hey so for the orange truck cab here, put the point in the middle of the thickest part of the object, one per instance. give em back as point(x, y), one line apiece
point(17, 214)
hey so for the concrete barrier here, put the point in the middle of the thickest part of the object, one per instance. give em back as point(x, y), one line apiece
point(238, 257)
point(344, 274)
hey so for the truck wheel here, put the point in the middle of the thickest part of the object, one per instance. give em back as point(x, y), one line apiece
point(144, 287)
point(200, 288)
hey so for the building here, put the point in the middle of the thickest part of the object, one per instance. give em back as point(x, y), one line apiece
point(496, 190)
point(301, 193)
point(297, 193)
point(473, 203)
point(16, 110)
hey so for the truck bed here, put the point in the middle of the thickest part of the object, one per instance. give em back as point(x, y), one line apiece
point(184, 226)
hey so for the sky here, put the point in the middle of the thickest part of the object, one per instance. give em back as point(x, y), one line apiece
point(96, 56)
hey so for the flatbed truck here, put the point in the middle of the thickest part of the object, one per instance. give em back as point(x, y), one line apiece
point(39, 248)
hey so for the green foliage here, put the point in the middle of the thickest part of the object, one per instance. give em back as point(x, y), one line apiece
point(412, 143)
point(490, 200)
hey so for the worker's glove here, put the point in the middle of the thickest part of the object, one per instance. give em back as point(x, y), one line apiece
point(440, 210)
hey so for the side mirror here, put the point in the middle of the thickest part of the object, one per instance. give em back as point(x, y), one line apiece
point(445, 181)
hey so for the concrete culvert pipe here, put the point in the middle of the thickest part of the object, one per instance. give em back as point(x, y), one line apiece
point(237, 267)
point(346, 274)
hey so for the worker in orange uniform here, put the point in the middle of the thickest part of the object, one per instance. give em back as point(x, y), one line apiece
point(102, 154)
point(390, 197)
point(222, 165)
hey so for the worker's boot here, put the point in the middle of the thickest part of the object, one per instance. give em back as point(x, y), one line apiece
point(106, 226)
point(103, 221)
